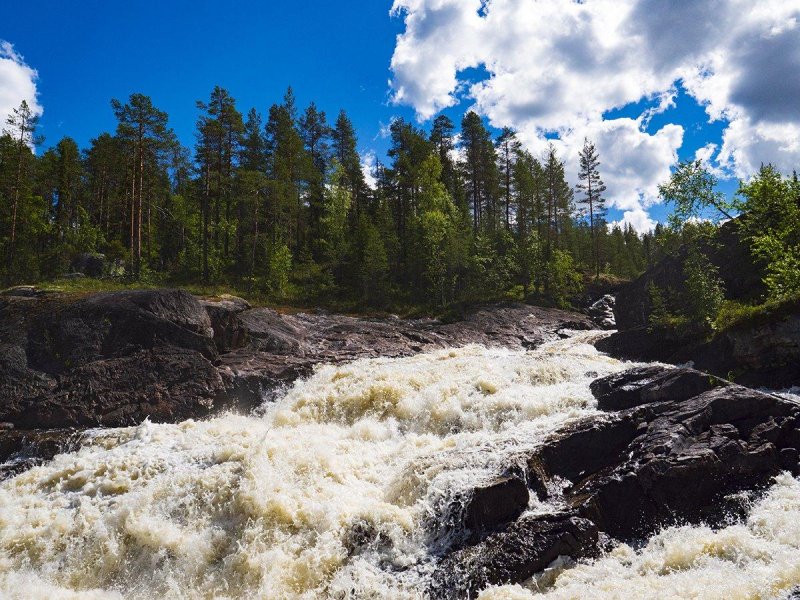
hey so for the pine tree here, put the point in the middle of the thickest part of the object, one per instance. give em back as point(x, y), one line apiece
point(592, 187)
point(480, 171)
point(21, 127)
point(507, 148)
point(558, 196)
point(143, 128)
point(220, 130)
point(345, 150)
point(316, 133)
point(286, 167)
point(443, 139)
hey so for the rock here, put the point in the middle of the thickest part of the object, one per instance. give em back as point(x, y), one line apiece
point(269, 331)
point(89, 264)
point(22, 291)
point(643, 344)
point(674, 446)
point(109, 359)
point(229, 331)
point(683, 431)
point(602, 312)
point(116, 358)
point(649, 384)
point(21, 450)
point(64, 336)
point(740, 274)
point(526, 547)
point(762, 353)
point(495, 503)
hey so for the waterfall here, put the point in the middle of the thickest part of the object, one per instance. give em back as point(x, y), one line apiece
point(344, 488)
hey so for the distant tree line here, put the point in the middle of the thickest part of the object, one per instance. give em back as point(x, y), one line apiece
point(281, 205)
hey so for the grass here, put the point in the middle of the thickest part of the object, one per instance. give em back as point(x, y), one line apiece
point(292, 302)
point(735, 315)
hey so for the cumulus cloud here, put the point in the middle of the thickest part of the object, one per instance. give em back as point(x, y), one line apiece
point(17, 83)
point(369, 163)
point(558, 66)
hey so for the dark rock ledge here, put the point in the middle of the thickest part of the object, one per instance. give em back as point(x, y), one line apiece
point(114, 359)
point(675, 446)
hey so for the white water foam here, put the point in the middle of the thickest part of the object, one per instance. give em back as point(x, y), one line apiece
point(334, 493)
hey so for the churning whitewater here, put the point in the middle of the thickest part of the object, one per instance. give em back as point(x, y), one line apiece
point(339, 489)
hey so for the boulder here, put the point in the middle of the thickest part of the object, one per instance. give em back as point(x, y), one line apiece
point(495, 504)
point(107, 359)
point(763, 352)
point(229, 331)
point(674, 446)
point(681, 445)
point(513, 555)
point(645, 385)
point(602, 312)
point(90, 264)
point(740, 274)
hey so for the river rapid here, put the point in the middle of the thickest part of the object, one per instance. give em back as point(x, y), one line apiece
point(339, 490)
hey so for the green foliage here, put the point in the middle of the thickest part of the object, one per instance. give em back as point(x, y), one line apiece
point(280, 207)
point(734, 314)
point(565, 281)
point(705, 291)
point(692, 190)
point(335, 213)
point(373, 270)
point(771, 225)
point(280, 265)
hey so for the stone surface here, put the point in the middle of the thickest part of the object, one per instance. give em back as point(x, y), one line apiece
point(526, 547)
point(674, 446)
point(495, 503)
point(602, 312)
point(114, 359)
point(90, 264)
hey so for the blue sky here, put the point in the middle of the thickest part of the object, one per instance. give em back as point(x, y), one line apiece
point(520, 63)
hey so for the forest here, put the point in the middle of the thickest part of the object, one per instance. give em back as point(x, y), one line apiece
point(279, 206)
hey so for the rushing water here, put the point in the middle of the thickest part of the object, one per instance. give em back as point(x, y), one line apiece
point(338, 489)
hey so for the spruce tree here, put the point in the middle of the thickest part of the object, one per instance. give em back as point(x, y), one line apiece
point(21, 127)
point(592, 187)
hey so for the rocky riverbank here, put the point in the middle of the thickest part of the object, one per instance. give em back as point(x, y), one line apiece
point(674, 446)
point(761, 351)
point(669, 445)
point(115, 359)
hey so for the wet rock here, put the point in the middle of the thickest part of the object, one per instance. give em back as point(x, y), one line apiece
point(513, 555)
point(495, 503)
point(682, 444)
point(602, 312)
point(673, 446)
point(229, 331)
point(650, 384)
point(21, 450)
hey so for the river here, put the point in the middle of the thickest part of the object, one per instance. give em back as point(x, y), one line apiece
point(339, 488)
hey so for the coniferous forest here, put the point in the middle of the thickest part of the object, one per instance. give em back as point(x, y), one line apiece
point(278, 204)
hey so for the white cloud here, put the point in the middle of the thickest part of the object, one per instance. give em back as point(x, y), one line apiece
point(17, 83)
point(368, 164)
point(637, 218)
point(556, 67)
